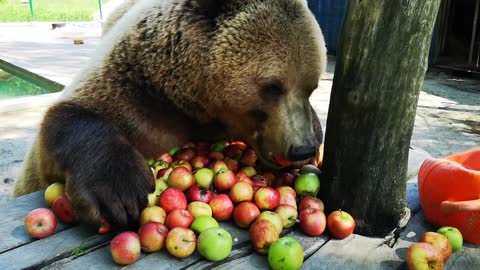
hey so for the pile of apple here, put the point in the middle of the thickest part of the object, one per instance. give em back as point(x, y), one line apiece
point(199, 185)
point(434, 249)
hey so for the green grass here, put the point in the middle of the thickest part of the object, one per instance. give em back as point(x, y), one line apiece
point(49, 10)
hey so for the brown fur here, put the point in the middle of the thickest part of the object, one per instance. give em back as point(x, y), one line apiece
point(180, 70)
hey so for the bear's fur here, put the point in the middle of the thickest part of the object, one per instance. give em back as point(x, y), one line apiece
point(170, 71)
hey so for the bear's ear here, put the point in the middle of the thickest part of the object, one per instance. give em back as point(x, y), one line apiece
point(210, 9)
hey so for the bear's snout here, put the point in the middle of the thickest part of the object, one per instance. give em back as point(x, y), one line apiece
point(301, 152)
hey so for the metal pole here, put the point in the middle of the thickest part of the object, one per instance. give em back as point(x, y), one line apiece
point(32, 13)
point(100, 9)
point(474, 32)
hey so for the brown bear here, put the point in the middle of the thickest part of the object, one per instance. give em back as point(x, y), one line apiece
point(170, 71)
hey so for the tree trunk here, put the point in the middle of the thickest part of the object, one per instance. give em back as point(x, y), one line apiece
point(380, 68)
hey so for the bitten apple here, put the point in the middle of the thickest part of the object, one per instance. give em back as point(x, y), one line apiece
point(439, 241)
point(424, 256)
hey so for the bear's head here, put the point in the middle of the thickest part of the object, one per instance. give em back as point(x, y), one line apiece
point(266, 58)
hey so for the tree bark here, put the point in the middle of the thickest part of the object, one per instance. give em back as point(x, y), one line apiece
point(380, 68)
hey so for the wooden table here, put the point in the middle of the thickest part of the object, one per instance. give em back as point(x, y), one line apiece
point(19, 251)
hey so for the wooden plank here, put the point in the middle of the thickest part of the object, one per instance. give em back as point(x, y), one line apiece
point(256, 261)
point(97, 259)
point(45, 251)
point(20, 207)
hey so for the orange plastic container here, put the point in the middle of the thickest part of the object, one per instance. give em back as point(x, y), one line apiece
point(449, 190)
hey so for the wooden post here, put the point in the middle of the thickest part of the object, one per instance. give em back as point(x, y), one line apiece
point(380, 68)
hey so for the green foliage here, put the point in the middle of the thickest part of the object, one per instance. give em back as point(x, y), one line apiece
point(49, 10)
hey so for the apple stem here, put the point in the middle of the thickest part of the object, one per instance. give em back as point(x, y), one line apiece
point(297, 220)
point(341, 213)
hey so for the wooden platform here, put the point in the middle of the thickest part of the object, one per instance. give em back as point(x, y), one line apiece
point(19, 251)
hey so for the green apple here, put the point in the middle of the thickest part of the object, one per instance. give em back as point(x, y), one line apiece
point(285, 253)
point(215, 244)
point(218, 146)
point(203, 223)
point(204, 177)
point(174, 150)
point(307, 184)
point(160, 186)
point(454, 236)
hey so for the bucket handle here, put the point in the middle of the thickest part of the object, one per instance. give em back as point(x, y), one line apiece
point(460, 206)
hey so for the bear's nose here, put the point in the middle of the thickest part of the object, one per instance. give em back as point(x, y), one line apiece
point(301, 152)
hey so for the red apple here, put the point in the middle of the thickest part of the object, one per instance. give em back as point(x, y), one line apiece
point(181, 178)
point(152, 236)
point(312, 221)
point(164, 173)
point(340, 224)
point(241, 192)
point(310, 202)
point(249, 157)
point(439, 241)
point(258, 182)
point(181, 163)
point(181, 242)
point(185, 154)
point(287, 196)
point(234, 151)
point(214, 155)
point(284, 179)
point(199, 209)
point(274, 218)
point(243, 177)
point(249, 171)
point(288, 214)
point(125, 248)
point(105, 227)
point(232, 164)
point(224, 180)
point(424, 256)
point(196, 193)
point(199, 162)
point(245, 213)
point(203, 148)
point(40, 223)
point(171, 199)
point(218, 165)
point(152, 214)
point(63, 209)
point(263, 234)
point(269, 177)
point(222, 207)
point(266, 198)
point(166, 157)
point(179, 218)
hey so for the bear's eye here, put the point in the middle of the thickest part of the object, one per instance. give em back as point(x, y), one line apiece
point(273, 88)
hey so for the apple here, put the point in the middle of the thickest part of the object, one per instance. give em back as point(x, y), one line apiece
point(214, 155)
point(241, 192)
point(160, 186)
point(219, 165)
point(224, 180)
point(454, 236)
point(285, 253)
point(152, 236)
point(181, 242)
point(162, 165)
point(163, 174)
point(307, 184)
point(249, 157)
point(199, 209)
point(179, 218)
point(262, 235)
point(174, 150)
point(125, 248)
point(269, 177)
point(439, 241)
point(199, 162)
point(171, 199)
point(232, 164)
point(249, 171)
point(203, 223)
point(424, 256)
point(186, 154)
point(288, 214)
point(234, 151)
point(284, 179)
point(266, 198)
point(54, 191)
point(245, 213)
point(166, 157)
point(152, 214)
point(310, 168)
point(243, 177)
point(340, 224)
point(287, 196)
point(40, 223)
point(274, 218)
point(182, 163)
point(105, 227)
point(189, 145)
point(222, 207)
point(258, 182)
point(310, 202)
point(181, 178)
point(63, 209)
point(280, 161)
point(204, 177)
point(196, 193)
point(312, 221)
point(218, 146)
point(214, 244)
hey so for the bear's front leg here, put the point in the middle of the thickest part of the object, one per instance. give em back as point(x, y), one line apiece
point(105, 175)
